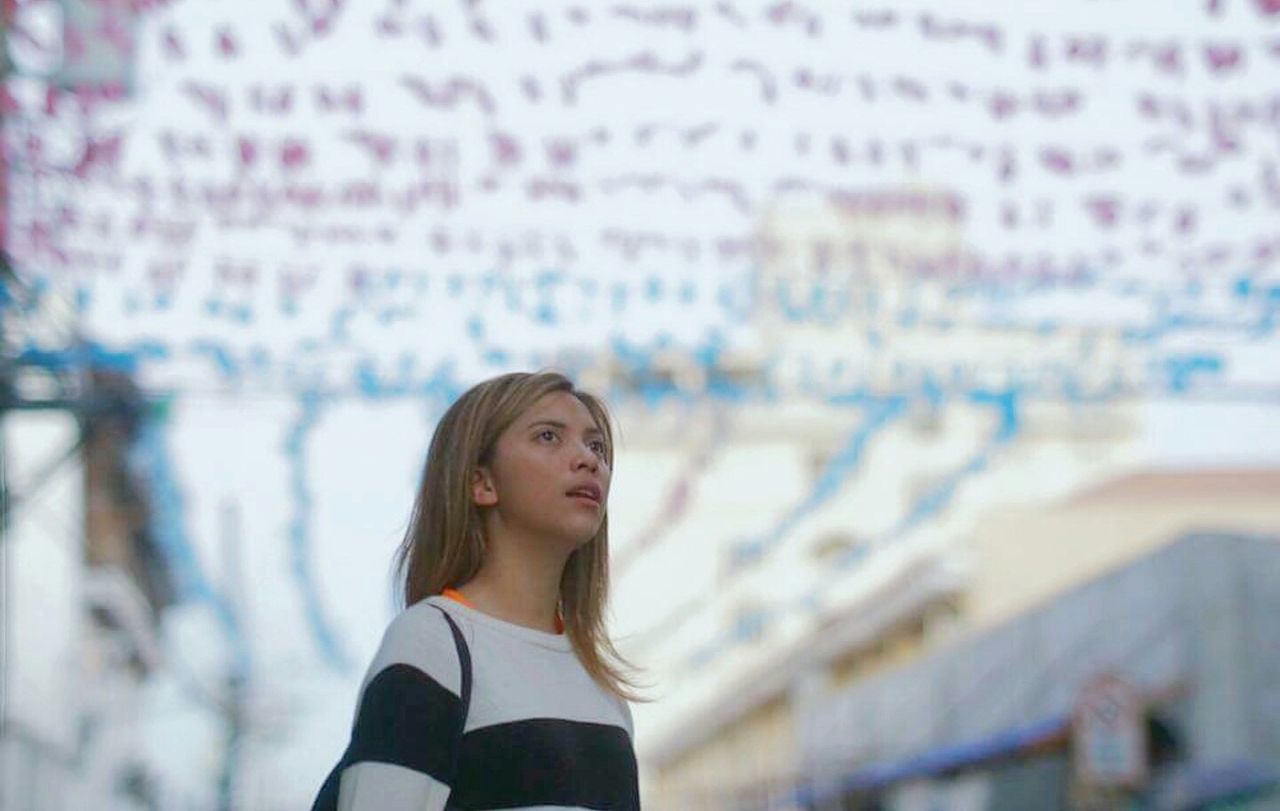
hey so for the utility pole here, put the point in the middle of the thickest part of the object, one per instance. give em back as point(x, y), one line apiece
point(231, 780)
point(8, 10)
point(56, 377)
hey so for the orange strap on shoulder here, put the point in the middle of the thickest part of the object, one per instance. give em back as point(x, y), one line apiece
point(456, 596)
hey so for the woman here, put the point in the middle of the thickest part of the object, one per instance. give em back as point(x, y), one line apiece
point(497, 686)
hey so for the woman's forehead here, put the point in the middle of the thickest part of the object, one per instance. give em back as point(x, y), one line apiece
point(562, 407)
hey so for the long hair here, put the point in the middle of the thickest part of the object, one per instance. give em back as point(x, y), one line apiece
point(445, 542)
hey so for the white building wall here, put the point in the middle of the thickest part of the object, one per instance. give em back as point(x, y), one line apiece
point(43, 620)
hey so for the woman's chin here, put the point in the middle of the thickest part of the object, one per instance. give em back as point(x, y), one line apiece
point(582, 534)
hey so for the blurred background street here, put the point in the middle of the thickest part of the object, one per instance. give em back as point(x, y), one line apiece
point(943, 340)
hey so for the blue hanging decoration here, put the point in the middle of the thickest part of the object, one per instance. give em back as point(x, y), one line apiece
point(221, 357)
point(326, 639)
point(1006, 403)
point(879, 414)
point(653, 289)
point(736, 297)
point(367, 382)
point(475, 328)
point(882, 411)
point(1182, 371)
point(688, 292)
point(811, 303)
point(150, 456)
point(338, 325)
point(547, 283)
point(259, 359)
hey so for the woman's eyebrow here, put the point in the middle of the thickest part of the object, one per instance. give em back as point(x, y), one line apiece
point(562, 426)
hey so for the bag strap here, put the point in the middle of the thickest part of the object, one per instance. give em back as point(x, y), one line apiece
point(464, 662)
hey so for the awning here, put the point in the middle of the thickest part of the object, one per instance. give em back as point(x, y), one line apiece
point(1198, 785)
point(957, 756)
point(951, 757)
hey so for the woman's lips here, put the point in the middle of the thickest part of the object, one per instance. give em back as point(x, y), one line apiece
point(582, 498)
point(589, 490)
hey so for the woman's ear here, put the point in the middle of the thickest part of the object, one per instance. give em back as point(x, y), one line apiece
point(483, 493)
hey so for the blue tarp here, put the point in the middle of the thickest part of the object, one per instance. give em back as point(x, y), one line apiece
point(943, 759)
point(1198, 785)
point(955, 756)
point(1193, 788)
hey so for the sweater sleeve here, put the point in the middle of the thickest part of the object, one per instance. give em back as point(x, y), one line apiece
point(403, 754)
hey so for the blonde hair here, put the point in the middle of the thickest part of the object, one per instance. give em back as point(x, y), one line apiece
point(444, 544)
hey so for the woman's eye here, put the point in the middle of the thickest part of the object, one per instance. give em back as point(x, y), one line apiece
point(598, 447)
point(547, 434)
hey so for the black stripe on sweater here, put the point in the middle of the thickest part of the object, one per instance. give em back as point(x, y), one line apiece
point(406, 718)
point(409, 719)
point(547, 761)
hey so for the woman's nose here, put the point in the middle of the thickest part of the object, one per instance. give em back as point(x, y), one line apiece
point(586, 456)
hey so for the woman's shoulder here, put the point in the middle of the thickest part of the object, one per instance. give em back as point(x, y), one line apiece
point(420, 637)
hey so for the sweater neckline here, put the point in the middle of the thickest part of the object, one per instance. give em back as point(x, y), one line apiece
point(454, 594)
point(559, 642)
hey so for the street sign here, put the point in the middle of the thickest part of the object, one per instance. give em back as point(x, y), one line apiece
point(1109, 734)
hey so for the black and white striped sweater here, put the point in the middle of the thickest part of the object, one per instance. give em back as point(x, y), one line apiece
point(539, 732)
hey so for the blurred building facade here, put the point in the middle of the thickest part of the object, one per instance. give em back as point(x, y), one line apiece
point(974, 518)
point(84, 581)
point(958, 691)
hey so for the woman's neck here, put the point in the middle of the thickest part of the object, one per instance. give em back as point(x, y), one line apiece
point(512, 593)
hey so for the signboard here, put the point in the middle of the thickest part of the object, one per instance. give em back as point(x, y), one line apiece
point(1109, 734)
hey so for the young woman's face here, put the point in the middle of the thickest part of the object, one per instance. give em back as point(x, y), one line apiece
point(548, 476)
